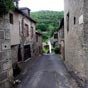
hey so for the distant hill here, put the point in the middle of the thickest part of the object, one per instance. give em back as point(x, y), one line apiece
point(47, 21)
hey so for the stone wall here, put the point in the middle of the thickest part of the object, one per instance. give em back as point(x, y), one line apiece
point(74, 38)
point(14, 53)
point(38, 44)
point(86, 38)
point(5, 53)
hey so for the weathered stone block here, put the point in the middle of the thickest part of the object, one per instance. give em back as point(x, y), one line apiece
point(2, 85)
point(2, 34)
point(0, 67)
point(3, 76)
point(10, 73)
point(5, 84)
point(7, 34)
point(2, 56)
point(5, 52)
point(9, 54)
point(6, 65)
point(1, 25)
point(6, 26)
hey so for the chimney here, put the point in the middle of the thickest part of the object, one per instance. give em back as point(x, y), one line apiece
point(16, 3)
point(26, 11)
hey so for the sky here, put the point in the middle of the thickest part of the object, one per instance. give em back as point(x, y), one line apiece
point(37, 5)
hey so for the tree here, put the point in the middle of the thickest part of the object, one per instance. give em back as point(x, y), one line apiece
point(47, 22)
point(6, 6)
point(42, 27)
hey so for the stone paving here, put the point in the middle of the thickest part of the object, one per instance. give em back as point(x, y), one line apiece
point(47, 71)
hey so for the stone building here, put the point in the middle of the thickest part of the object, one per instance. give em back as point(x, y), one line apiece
point(17, 42)
point(61, 38)
point(76, 38)
point(55, 38)
point(38, 44)
point(22, 29)
point(6, 73)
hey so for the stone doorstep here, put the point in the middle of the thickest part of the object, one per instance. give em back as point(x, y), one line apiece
point(27, 60)
point(21, 64)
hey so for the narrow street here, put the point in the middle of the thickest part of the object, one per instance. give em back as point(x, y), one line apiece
point(47, 71)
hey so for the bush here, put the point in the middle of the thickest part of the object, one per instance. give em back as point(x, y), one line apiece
point(45, 50)
point(57, 50)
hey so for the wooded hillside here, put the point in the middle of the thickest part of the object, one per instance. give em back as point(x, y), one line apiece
point(47, 22)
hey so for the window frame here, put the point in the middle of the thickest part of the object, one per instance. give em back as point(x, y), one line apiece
point(11, 18)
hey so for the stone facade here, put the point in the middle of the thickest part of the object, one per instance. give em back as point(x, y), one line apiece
point(33, 38)
point(22, 31)
point(61, 38)
point(55, 38)
point(23, 39)
point(17, 31)
point(76, 38)
point(6, 73)
point(38, 44)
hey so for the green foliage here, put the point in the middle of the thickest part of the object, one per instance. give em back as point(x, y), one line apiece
point(45, 50)
point(57, 50)
point(45, 37)
point(47, 21)
point(6, 6)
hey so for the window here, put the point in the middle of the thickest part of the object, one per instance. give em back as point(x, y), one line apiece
point(26, 30)
point(74, 20)
point(32, 32)
point(68, 21)
point(11, 18)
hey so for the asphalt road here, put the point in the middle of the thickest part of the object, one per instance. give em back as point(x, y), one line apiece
point(47, 71)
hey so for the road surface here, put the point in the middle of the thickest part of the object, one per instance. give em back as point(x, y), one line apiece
point(48, 71)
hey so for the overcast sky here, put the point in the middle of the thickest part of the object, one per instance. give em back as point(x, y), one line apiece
point(36, 5)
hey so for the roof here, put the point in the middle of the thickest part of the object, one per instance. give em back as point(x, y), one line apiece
point(23, 8)
point(19, 11)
